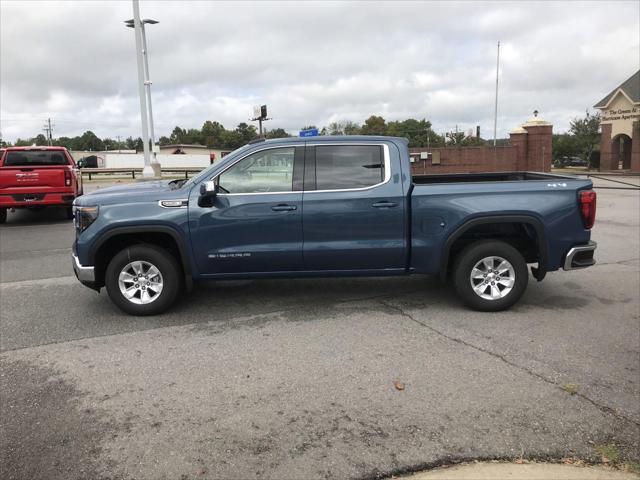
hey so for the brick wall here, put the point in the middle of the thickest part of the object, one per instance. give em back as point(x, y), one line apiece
point(529, 149)
point(467, 160)
point(635, 147)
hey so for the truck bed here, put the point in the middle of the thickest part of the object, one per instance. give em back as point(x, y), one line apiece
point(485, 177)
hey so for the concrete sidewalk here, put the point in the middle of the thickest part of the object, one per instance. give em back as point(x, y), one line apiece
point(529, 471)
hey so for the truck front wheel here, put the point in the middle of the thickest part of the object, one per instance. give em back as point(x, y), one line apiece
point(490, 275)
point(143, 280)
point(3, 215)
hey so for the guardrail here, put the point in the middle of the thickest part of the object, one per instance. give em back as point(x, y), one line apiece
point(606, 177)
point(133, 171)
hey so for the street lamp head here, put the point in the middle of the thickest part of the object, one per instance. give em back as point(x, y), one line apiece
point(131, 23)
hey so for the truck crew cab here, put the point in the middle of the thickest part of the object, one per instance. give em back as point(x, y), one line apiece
point(331, 206)
point(32, 177)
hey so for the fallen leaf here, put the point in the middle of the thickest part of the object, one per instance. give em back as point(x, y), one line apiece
point(398, 385)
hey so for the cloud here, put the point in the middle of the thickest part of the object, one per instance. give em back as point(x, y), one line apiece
point(311, 62)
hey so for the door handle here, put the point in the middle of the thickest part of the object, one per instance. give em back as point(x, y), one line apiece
point(283, 208)
point(384, 205)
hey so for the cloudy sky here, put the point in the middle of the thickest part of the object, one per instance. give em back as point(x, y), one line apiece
point(312, 63)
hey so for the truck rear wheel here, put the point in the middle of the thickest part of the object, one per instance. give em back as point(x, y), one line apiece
point(143, 280)
point(3, 215)
point(490, 275)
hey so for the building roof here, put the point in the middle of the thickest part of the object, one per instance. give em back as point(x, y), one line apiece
point(184, 145)
point(630, 87)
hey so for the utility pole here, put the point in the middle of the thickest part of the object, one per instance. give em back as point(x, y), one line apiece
point(495, 111)
point(48, 128)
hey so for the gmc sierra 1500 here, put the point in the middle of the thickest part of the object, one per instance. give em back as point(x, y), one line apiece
point(331, 206)
point(35, 177)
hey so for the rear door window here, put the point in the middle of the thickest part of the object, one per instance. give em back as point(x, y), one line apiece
point(34, 158)
point(341, 167)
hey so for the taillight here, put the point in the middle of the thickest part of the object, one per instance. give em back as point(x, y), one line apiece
point(587, 201)
point(67, 177)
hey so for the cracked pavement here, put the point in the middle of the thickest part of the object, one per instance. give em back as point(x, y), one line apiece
point(295, 378)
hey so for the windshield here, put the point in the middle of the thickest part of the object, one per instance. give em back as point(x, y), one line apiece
point(35, 158)
point(205, 173)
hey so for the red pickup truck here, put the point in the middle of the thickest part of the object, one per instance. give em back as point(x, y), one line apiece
point(38, 177)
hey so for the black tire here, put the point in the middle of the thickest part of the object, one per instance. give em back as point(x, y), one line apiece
point(3, 215)
point(158, 257)
point(69, 212)
point(469, 258)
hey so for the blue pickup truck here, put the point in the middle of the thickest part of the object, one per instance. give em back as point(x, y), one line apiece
point(331, 206)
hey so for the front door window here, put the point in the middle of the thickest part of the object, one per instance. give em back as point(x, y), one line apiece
point(267, 171)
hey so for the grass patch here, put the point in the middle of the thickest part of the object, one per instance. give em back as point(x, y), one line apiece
point(631, 467)
point(570, 388)
point(610, 455)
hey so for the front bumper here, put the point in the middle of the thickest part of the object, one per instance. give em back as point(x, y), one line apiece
point(86, 275)
point(580, 256)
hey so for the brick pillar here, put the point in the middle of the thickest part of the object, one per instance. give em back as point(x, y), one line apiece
point(635, 147)
point(518, 138)
point(539, 146)
point(607, 158)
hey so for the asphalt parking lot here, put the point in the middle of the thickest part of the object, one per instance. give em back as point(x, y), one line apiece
point(295, 378)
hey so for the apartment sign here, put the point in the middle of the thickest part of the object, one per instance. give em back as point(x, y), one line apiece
point(610, 115)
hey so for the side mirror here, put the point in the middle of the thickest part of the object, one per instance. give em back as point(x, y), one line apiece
point(208, 189)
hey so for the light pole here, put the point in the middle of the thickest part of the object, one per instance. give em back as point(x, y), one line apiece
point(495, 111)
point(144, 89)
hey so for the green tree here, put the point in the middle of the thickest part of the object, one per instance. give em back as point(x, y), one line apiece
point(418, 132)
point(565, 145)
point(40, 140)
point(67, 142)
point(246, 133)
point(112, 144)
point(231, 139)
point(277, 133)
point(374, 125)
point(587, 134)
point(471, 141)
point(335, 128)
point(456, 138)
point(130, 143)
point(212, 133)
point(164, 141)
point(90, 141)
point(177, 136)
point(351, 128)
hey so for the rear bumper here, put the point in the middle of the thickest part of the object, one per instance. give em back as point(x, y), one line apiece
point(580, 256)
point(21, 200)
point(86, 275)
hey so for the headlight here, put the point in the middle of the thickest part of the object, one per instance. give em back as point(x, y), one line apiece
point(84, 216)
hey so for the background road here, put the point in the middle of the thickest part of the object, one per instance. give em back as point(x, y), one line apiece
point(295, 378)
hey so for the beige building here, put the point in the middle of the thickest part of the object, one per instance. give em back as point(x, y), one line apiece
point(620, 125)
point(215, 154)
